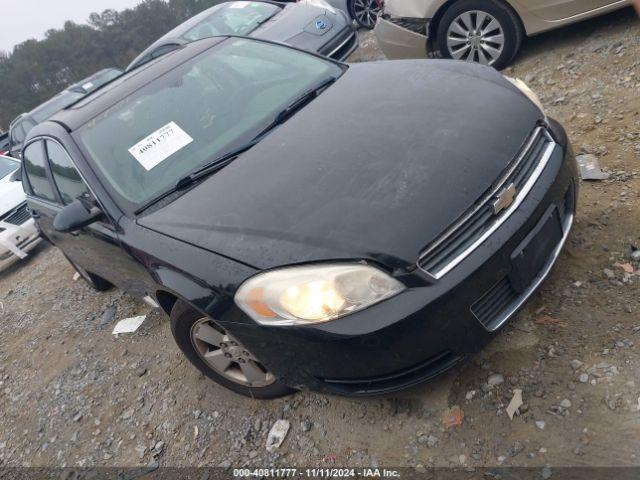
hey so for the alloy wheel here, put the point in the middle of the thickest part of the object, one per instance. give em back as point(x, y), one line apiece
point(227, 356)
point(366, 12)
point(476, 36)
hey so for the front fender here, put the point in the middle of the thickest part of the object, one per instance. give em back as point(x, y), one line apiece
point(204, 279)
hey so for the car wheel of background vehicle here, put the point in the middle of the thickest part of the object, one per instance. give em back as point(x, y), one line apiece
point(481, 31)
point(220, 356)
point(365, 12)
point(97, 283)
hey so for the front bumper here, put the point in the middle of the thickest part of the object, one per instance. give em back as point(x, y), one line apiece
point(342, 45)
point(16, 241)
point(397, 42)
point(432, 325)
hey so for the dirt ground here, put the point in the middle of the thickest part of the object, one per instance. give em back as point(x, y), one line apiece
point(72, 394)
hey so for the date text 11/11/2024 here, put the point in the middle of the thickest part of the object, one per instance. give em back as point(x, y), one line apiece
point(315, 473)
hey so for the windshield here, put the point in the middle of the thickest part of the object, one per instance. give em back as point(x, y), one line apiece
point(237, 18)
point(57, 103)
point(7, 166)
point(206, 107)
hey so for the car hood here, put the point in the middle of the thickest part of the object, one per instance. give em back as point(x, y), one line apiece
point(375, 168)
point(11, 195)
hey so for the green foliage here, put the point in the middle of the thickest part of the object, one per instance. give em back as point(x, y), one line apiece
point(38, 69)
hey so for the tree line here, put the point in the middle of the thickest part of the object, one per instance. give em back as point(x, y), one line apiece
point(38, 69)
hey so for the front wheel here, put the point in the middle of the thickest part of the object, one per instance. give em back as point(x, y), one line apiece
point(480, 31)
point(222, 357)
point(365, 12)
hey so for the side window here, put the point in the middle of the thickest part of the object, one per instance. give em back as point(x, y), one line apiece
point(34, 164)
point(65, 174)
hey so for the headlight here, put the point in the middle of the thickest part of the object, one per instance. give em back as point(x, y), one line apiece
point(524, 88)
point(313, 294)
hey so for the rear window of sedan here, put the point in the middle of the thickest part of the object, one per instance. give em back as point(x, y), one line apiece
point(210, 105)
point(234, 18)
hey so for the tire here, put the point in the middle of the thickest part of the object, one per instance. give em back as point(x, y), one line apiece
point(185, 321)
point(466, 26)
point(365, 12)
point(99, 284)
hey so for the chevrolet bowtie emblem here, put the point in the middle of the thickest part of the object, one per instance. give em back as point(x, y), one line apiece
point(504, 199)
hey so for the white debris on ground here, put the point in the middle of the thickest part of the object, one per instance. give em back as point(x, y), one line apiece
point(129, 325)
point(277, 434)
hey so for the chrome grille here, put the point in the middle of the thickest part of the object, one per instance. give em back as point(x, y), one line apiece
point(502, 300)
point(17, 216)
point(479, 222)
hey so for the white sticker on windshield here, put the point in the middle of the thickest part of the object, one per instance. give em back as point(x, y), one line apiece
point(160, 145)
point(239, 5)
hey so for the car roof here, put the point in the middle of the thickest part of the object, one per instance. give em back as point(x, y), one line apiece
point(70, 91)
point(90, 106)
point(43, 106)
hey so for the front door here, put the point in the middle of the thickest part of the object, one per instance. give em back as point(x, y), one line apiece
point(51, 182)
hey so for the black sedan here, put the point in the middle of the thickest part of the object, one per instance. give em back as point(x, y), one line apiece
point(297, 233)
point(312, 25)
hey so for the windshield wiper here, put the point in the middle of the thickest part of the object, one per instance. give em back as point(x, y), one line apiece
point(198, 174)
point(266, 19)
point(212, 167)
point(295, 106)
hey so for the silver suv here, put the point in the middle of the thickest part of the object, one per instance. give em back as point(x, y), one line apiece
point(484, 31)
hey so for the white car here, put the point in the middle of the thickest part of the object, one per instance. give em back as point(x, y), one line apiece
point(18, 232)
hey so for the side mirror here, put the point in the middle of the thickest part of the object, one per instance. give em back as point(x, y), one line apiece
point(76, 216)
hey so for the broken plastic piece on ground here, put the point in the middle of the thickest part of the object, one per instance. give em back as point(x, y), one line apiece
point(590, 168)
point(128, 325)
point(515, 403)
point(277, 434)
point(149, 300)
point(453, 417)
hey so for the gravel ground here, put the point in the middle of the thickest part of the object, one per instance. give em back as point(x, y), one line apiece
point(72, 394)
